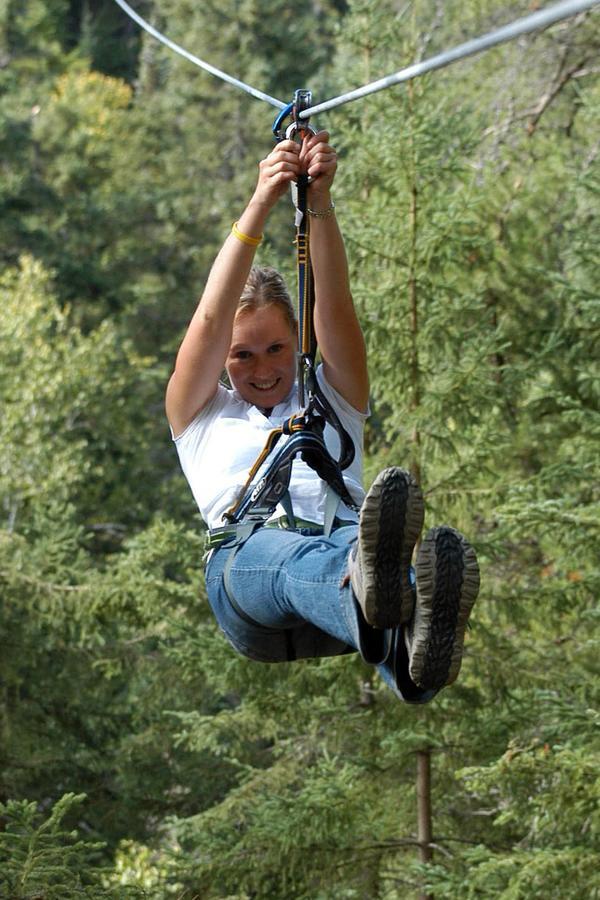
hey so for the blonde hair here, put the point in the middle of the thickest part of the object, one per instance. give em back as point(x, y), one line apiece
point(266, 287)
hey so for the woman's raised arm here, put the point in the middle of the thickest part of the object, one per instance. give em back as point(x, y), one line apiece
point(204, 349)
point(337, 328)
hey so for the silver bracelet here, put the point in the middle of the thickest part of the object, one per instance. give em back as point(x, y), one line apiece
point(322, 213)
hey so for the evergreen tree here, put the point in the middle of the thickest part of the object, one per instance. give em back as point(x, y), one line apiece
point(469, 204)
point(91, 609)
point(45, 860)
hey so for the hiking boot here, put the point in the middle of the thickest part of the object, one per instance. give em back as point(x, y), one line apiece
point(447, 577)
point(391, 519)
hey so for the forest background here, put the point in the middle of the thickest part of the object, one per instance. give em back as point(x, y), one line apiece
point(139, 755)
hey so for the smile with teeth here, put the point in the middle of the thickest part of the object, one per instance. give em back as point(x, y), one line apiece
point(265, 386)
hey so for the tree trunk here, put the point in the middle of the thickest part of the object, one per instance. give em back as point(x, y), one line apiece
point(424, 809)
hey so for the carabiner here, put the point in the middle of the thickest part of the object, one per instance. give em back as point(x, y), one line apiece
point(295, 127)
point(278, 134)
point(302, 100)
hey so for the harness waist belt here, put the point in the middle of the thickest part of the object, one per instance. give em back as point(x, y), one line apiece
point(218, 536)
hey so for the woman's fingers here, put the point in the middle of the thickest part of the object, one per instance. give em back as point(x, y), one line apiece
point(288, 159)
point(286, 151)
point(277, 170)
point(314, 155)
point(269, 168)
point(320, 137)
point(317, 156)
point(321, 163)
point(311, 142)
point(284, 158)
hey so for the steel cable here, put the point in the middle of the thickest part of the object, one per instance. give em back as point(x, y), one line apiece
point(194, 59)
point(534, 22)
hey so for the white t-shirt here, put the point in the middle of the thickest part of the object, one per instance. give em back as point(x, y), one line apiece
point(219, 447)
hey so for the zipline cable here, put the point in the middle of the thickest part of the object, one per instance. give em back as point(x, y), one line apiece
point(536, 21)
point(194, 59)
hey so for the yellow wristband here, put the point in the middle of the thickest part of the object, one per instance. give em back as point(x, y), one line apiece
point(245, 238)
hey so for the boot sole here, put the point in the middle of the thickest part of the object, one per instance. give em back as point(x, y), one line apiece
point(391, 520)
point(447, 586)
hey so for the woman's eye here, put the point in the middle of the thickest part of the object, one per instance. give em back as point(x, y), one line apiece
point(275, 348)
point(243, 354)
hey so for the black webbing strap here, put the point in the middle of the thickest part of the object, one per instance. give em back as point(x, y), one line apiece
point(307, 344)
point(260, 499)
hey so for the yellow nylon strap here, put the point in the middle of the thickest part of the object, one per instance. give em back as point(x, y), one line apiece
point(303, 263)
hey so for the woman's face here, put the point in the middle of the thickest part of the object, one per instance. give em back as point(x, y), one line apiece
point(261, 363)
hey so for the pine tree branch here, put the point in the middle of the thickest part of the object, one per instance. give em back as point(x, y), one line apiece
point(436, 23)
point(558, 83)
point(49, 587)
point(561, 80)
point(371, 251)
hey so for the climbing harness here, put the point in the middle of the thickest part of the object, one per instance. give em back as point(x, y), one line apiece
point(305, 429)
point(256, 503)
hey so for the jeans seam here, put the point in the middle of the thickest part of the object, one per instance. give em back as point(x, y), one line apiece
point(352, 625)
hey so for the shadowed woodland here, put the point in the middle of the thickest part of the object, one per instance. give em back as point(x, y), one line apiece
point(139, 755)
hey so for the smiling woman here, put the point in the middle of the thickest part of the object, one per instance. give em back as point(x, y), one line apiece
point(293, 587)
point(261, 363)
point(236, 294)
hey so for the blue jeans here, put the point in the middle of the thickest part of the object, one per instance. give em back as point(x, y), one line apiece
point(287, 595)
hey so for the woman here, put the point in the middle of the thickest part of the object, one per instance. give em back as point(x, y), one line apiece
point(286, 594)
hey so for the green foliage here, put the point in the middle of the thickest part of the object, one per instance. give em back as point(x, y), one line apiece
point(42, 858)
point(84, 608)
point(469, 200)
point(418, 254)
point(542, 800)
point(68, 429)
point(34, 27)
